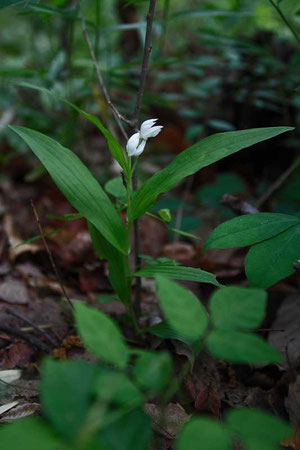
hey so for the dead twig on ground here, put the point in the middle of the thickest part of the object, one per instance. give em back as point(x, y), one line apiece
point(47, 336)
point(50, 256)
point(32, 340)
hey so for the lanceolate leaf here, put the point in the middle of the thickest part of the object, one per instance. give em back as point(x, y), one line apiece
point(205, 152)
point(78, 185)
point(116, 264)
point(113, 145)
point(269, 261)
point(178, 273)
point(249, 229)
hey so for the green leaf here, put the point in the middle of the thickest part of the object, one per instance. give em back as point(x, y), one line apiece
point(132, 431)
point(78, 185)
point(165, 331)
point(5, 3)
point(172, 272)
point(249, 229)
point(117, 267)
point(116, 388)
point(65, 391)
point(29, 434)
point(113, 145)
point(183, 311)
point(237, 347)
point(115, 187)
point(201, 154)
point(238, 308)
point(153, 371)
point(271, 260)
point(257, 429)
point(101, 336)
point(202, 432)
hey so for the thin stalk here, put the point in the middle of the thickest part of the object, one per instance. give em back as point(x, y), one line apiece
point(285, 20)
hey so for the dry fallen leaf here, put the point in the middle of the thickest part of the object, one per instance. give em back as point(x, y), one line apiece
point(19, 412)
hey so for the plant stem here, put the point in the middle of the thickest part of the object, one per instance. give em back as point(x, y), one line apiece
point(285, 20)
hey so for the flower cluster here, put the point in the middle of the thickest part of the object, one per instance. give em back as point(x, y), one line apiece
point(136, 144)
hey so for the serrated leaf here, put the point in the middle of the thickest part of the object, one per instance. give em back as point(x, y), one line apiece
point(101, 335)
point(272, 260)
point(201, 154)
point(202, 432)
point(78, 185)
point(183, 311)
point(66, 388)
point(237, 347)
point(257, 429)
point(152, 371)
point(238, 308)
point(173, 272)
point(249, 229)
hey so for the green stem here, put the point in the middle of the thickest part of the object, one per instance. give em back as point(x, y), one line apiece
point(285, 20)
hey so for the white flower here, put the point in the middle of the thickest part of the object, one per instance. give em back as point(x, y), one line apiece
point(136, 143)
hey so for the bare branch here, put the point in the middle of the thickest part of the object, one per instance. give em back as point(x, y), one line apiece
point(145, 64)
point(118, 116)
point(50, 255)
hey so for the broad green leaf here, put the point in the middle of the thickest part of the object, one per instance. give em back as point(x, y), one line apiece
point(78, 185)
point(183, 311)
point(117, 268)
point(116, 187)
point(238, 308)
point(172, 272)
point(115, 388)
point(131, 431)
point(257, 429)
point(113, 145)
point(65, 391)
point(203, 433)
point(101, 336)
point(29, 434)
point(152, 371)
point(249, 229)
point(237, 347)
point(269, 261)
point(205, 152)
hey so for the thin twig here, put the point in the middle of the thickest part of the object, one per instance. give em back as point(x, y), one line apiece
point(179, 215)
point(145, 64)
point(278, 183)
point(26, 337)
point(50, 255)
point(118, 116)
point(47, 336)
point(136, 115)
point(285, 20)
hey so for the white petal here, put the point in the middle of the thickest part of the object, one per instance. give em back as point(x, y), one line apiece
point(152, 132)
point(132, 144)
point(146, 126)
point(140, 148)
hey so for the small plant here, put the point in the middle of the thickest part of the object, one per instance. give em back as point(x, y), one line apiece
point(102, 405)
